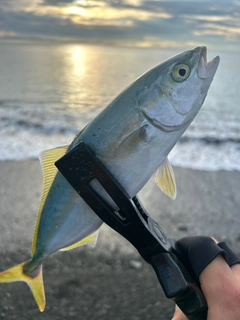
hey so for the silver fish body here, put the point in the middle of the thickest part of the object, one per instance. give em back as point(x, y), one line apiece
point(132, 137)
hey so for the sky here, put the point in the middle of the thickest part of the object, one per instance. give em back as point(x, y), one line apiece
point(133, 23)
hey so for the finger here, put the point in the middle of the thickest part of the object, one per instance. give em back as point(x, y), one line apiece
point(236, 271)
point(215, 240)
point(235, 267)
point(221, 290)
point(178, 314)
point(210, 277)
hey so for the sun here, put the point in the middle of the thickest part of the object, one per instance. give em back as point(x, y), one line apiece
point(76, 11)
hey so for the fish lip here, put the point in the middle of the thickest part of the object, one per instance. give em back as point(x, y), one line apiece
point(206, 69)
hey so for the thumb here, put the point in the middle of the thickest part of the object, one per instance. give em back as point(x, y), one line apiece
point(178, 314)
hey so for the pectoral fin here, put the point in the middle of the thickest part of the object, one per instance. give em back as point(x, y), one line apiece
point(47, 160)
point(90, 240)
point(165, 179)
point(132, 139)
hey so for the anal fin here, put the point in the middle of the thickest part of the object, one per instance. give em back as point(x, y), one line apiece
point(90, 240)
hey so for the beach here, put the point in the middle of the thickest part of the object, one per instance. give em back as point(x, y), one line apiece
point(110, 280)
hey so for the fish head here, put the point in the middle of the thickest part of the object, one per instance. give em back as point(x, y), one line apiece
point(174, 91)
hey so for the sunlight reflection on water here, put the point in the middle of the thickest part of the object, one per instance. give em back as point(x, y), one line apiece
point(49, 92)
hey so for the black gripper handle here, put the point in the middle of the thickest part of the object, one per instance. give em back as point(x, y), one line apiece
point(179, 285)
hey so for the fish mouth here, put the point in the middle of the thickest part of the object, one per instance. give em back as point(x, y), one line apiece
point(206, 69)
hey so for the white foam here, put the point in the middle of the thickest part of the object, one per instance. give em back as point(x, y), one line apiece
point(204, 156)
point(210, 143)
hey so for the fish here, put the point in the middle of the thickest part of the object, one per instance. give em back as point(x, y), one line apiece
point(132, 137)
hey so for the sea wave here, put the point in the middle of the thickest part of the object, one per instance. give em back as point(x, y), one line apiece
point(209, 140)
point(208, 144)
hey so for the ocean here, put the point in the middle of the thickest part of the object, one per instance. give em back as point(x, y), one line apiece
point(49, 91)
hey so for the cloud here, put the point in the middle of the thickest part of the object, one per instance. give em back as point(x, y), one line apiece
point(57, 3)
point(13, 5)
point(45, 26)
point(127, 22)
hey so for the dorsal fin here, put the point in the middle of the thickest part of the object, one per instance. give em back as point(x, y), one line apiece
point(165, 179)
point(47, 160)
point(90, 240)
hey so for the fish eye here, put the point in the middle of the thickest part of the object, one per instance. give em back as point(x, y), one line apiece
point(180, 72)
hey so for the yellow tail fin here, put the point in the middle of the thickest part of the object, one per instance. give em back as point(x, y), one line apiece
point(35, 283)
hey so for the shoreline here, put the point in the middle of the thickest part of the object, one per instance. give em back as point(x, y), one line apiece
point(105, 282)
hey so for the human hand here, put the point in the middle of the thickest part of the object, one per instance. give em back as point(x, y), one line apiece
point(220, 285)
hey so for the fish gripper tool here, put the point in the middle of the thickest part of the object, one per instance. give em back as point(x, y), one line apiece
point(81, 167)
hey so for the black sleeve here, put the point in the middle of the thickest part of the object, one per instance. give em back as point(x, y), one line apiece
point(232, 258)
point(199, 251)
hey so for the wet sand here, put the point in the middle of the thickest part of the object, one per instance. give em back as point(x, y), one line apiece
point(110, 281)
